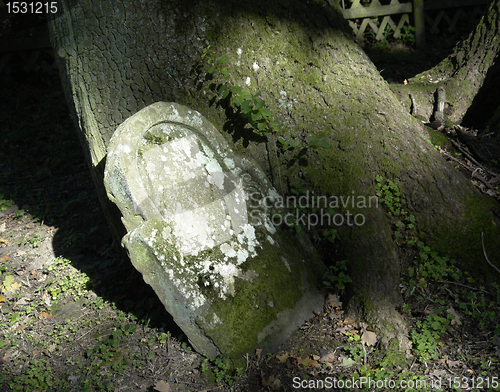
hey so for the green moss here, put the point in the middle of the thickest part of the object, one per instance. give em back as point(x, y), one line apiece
point(438, 139)
point(257, 304)
point(394, 357)
point(154, 139)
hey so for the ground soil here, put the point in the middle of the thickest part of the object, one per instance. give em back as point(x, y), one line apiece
point(75, 316)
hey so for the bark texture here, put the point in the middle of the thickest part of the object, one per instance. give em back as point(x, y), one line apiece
point(470, 75)
point(117, 58)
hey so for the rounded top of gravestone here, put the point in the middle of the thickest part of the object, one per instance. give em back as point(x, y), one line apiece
point(169, 163)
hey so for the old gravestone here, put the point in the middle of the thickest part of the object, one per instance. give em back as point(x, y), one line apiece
point(199, 230)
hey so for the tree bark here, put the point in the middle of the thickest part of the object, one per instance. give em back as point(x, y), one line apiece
point(470, 76)
point(116, 59)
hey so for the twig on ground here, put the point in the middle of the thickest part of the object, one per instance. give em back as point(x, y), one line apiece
point(485, 255)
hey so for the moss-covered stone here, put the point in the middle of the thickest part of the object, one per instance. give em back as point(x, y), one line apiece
point(199, 231)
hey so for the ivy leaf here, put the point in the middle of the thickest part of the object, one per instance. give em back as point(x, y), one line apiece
point(255, 115)
point(224, 71)
point(266, 113)
point(347, 362)
point(294, 144)
point(212, 69)
point(238, 100)
point(222, 88)
point(324, 143)
point(236, 89)
point(261, 125)
point(245, 95)
point(245, 106)
point(221, 59)
point(259, 103)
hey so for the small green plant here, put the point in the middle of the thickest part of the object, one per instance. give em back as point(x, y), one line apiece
point(71, 283)
point(4, 204)
point(389, 195)
point(221, 369)
point(319, 141)
point(429, 265)
point(34, 240)
point(251, 107)
point(353, 337)
point(426, 340)
point(288, 146)
point(337, 276)
point(407, 35)
point(356, 351)
point(36, 377)
point(164, 337)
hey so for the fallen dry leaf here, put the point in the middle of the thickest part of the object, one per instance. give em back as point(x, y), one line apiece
point(45, 315)
point(330, 357)
point(282, 358)
point(162, 386)
point(307, 362)
point(333, 300)
point(272, 382)
point(438, 373)
point(346, 321)
point(52, 348)
point(453, 363)
point(457, 320)
point(22, 301)
point(369, 337)
point(10, 285)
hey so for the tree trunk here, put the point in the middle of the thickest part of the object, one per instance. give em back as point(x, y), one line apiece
point(470, 76)
point(116, 59)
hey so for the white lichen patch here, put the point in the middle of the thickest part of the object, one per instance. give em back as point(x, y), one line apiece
point(248, 240)
point(193, 232)
point(121, 148)
point(228, 272)
point(228, 250)
point(285, 261)
point(284, 102)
